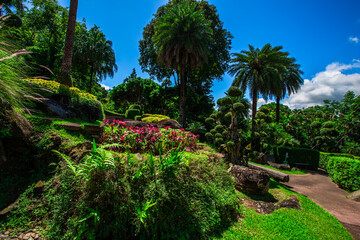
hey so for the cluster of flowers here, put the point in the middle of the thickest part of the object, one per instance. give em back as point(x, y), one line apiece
point(144, 139)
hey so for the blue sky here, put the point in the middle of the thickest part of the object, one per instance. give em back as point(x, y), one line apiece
point(323, 35)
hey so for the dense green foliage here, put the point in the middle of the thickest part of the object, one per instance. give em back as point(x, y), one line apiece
point(324, 158)
point(124, 197)
point(344, 172)
point(297, 155)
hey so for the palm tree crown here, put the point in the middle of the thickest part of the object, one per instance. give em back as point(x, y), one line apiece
point(182, 36)
point(256, 69)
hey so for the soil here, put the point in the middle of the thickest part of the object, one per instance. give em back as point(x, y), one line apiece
point(319, 188)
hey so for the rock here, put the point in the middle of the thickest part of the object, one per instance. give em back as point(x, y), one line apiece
point(250, 181)
point(168, 122)
point(293, 202)
point(94, 129)
point(280, 166)
point(71, 126)
point(54, 108)
point(354, 196)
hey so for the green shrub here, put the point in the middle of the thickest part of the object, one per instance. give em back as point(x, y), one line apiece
point(135, 106)
point(219, 128)
point(213, 131)
point(122, 115)
point(138, 118)
point(210, 121)
point(131, 113)
point(234, 91)
point(324, 158)
point(345, 172)
point(219, 141)
point(224, 101)
point(218, 135)
point(328, 124)
point(238, 107)
point(91, 109)
point(209, 136)
point(297, 155)
point(315, 124)
point(109, 196)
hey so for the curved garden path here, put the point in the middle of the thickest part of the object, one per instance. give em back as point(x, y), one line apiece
point(319, 188)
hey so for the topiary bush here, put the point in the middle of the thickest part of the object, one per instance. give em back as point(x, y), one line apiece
point(138, 118)
point(135, 106)
point(131, 113)
point(345, 172)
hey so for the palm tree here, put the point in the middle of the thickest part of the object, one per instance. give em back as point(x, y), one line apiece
point(289, 82)
point(64, 75)
point(182, 36)
point(256, 69)
point(92, 50)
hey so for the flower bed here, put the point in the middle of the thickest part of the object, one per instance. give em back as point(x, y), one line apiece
point(146, 139)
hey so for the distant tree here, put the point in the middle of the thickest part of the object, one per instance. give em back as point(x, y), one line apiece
point(65, 73)
point(256, 69)
point(181, 39)
point(132, 76)
point(289, 82)
point(95, 55)
point(43, 33)
point(219, 50)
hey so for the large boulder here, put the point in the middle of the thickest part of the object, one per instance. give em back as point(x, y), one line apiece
point(168, 123)
point(250, 181)
point(53, 107)
point(354, 196)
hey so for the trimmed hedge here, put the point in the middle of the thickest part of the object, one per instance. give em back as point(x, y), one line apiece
point(345, 172)
point(131, 113)
point(324, 158)
point(138, 118)
point(297, 155)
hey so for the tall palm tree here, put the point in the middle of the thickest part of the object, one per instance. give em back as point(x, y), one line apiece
point(64, 76)
point(182, 36)
point(256, 69)
point(289, 82)
point(93, 50)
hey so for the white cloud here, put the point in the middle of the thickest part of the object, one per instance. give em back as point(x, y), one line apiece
point(331, 84)
point(354, 39)
point(262, 101)
point(107, 88)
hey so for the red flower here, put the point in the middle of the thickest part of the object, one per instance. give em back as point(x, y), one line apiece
point(122, 138)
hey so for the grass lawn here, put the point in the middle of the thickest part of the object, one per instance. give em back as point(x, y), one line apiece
point(312, 222)
point(302, 172)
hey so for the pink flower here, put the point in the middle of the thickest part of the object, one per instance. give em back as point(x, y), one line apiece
point(153, 139)
point(112, 124)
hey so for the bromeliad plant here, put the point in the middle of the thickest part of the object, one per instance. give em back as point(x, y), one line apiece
point(146, 139)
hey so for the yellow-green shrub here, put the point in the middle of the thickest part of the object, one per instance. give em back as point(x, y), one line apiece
point(58, 88)
point(154, 118)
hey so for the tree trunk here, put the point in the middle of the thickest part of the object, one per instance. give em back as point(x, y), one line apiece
point(91, 77)
point(182, 98)
point(277, 109)
point(64, 76)
point(254, 106)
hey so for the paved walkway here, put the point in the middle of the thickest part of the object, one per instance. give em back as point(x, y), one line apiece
point(319, 188)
